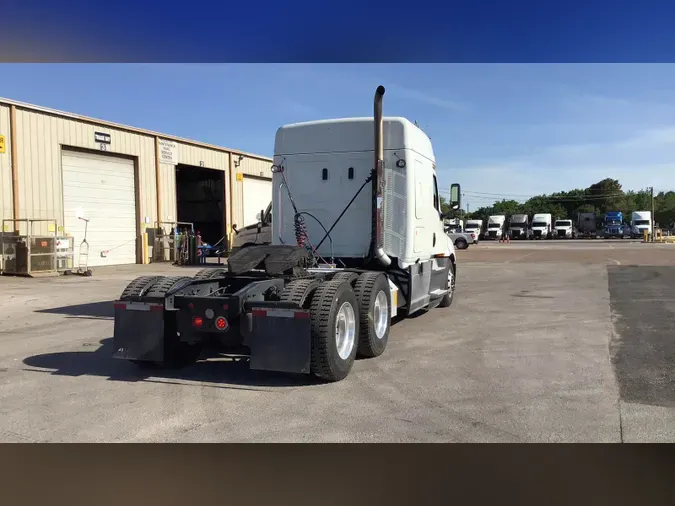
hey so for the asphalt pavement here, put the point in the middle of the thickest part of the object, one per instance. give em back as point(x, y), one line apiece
point(538, 346)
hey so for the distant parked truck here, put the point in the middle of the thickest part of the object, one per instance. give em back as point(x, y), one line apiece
point(454, 225)
point(474, 227)
point(542, 226)
point(519, 226)
point(613, 224)
point(587, 225)
point(639, 222)
point(564, 229)
point(495, 226)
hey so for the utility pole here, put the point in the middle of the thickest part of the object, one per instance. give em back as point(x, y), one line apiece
point(651, 191)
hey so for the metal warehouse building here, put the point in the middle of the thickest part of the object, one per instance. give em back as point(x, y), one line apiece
point(62, 166)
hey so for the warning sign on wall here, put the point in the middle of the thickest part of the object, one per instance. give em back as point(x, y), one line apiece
point(168, 152)
point(2, 143)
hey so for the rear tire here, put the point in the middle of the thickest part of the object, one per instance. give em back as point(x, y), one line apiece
point(138, 286)
point(335, 330)
point(160, 288)
point(350, 277)
point(300, 292)
point(176, 352)
point(210, 273)
point(374, 296)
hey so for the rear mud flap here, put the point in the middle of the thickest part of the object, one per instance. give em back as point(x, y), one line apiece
point(280, 339)
point(139, 331)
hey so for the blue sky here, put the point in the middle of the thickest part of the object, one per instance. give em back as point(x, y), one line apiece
point(502, 129)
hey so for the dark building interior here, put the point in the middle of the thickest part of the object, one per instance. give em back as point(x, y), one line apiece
point(200, 199)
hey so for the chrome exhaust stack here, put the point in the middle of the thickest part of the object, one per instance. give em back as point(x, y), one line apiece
point(377, 250)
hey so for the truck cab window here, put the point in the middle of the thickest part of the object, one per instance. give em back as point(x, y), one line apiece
point(437, 203)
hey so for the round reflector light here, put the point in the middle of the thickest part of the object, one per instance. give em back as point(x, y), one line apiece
point(221, 323)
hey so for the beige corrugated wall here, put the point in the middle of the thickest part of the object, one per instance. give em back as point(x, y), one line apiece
point(42, 135)
point(40, 138)
point(251, 167)
point(6, 210)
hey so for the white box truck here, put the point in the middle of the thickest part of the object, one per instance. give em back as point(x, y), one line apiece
point(542, 226)
point(357, 237)
point(639, 222)
point(495, 227)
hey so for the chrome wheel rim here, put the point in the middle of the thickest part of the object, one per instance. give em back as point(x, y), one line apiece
point(345, 330)
point(381, 314)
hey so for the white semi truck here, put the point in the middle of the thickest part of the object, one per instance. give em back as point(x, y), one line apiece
point(542, 226)
point(495, 227)
point(564, 229)
point(639, 222)
point(474, 227)
point(519, 226)
point(357, 237)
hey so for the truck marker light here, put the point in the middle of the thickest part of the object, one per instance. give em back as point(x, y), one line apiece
point(259, 312)
point(197, 321)
point(191, 305)
point(225, 307)
point(301, 315)
point(221, 323)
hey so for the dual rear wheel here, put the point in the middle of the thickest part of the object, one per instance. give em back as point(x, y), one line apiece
point(350, 317)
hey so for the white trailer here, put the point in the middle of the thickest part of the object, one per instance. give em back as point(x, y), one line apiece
point(542, 226)
point(357, 238)
point(495, 226)
point(639, 222)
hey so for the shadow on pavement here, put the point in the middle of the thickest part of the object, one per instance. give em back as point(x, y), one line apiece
point(642, 300)
point(220, 371)
point(103, 309)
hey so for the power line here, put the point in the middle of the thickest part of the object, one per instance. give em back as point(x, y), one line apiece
point(563, 197)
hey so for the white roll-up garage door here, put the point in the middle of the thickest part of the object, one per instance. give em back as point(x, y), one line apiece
point(257, 196)
point(101, 189)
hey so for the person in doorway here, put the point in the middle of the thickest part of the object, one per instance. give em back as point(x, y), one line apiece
point(199, 246)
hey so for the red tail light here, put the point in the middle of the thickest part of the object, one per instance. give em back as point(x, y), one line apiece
point(197, 321)
point(221, 323)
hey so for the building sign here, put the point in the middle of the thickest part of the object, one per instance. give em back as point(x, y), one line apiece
point(2, 143)
point(168, 152)
point(101, 138)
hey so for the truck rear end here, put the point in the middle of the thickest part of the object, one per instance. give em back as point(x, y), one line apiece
point(288, 303)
